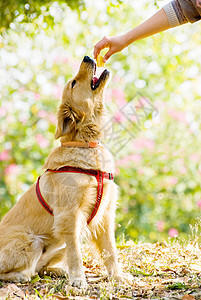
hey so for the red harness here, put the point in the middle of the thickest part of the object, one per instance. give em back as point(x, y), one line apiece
point(96, 173)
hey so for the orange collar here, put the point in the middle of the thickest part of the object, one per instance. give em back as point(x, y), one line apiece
point(81, 144)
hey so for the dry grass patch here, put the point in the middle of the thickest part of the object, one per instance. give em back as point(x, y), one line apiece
point(161, 271)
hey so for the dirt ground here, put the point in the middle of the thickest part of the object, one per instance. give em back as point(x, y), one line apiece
point(161, 271)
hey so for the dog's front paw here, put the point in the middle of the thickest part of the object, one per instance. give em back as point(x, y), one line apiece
point(54, 272)
point(78, 282)
point(123, 277)
point(17, 277)
point(127, 277)
point(23, 278)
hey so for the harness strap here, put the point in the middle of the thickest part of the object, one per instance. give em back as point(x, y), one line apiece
point(96, 173)
point(41, 199)
point(99, 179)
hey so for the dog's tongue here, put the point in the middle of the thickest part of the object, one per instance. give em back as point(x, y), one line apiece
point(95, 79)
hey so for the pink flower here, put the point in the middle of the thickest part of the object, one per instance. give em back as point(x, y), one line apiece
point(108, 95)
point(117, 171)
point(199, 203)
point(12, 169)
point(172, 180)
point(119, 97)
point(141, 143)
point(142, 102)
point(160, 105)
point(21, 90)
point(60, 58)
point(4, 155)
point(194, 157)
point(36, 96)
point(52, 118)
point(141, 171)
point(23, 120)
point(42, 141)
point(116, 78)
point(178, 115)
point(3, 111)
point(160, 225)
point(119, 117)
point(136, 158)
point(58, 91)
point(183, 170)
point(173, 232)
point(42, 114)
point(65, 60)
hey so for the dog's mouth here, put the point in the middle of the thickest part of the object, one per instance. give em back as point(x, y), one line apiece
point(95, 82)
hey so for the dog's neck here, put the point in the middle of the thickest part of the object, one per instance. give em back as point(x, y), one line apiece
point(74, 144)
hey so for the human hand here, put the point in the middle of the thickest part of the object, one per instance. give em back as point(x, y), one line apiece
point(114, 43)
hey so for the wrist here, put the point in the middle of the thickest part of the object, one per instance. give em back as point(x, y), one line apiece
point(129, 38)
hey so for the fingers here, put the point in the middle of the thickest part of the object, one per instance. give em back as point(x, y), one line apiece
point(104, 43)
point(107, 55)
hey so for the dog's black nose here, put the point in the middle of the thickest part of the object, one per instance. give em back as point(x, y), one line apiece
point(87, 59)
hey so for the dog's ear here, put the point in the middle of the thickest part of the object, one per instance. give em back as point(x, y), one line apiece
point(65, 121)
point(63, 127)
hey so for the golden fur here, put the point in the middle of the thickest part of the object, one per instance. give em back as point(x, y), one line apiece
point(31, 240)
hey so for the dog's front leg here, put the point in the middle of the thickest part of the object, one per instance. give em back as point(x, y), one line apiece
point(105, 241)
point(74, 261)
point(68, 227)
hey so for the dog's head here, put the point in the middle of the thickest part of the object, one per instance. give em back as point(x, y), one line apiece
point(80, 114)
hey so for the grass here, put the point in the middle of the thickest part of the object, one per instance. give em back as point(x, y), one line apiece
point(161, 271)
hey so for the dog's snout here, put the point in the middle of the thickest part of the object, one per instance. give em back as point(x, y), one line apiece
point(87, 59)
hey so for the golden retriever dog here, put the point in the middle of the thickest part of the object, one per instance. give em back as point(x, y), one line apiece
point(33, 240)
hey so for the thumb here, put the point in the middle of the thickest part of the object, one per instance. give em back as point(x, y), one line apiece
point(107, 55)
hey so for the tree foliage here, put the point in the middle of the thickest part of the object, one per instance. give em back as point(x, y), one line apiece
point(29, 10)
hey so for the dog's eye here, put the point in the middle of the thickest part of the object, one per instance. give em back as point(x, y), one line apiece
point(73, 83)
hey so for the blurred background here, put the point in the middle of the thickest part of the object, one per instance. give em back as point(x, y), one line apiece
point(153, 100)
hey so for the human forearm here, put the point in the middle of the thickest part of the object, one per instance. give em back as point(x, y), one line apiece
point(175, 13)
point(157, 23)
